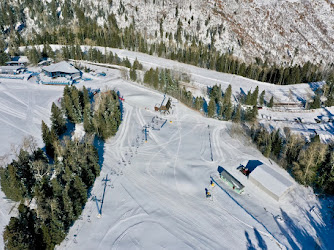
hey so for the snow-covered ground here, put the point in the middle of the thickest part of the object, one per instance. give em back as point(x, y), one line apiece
point(156, 194)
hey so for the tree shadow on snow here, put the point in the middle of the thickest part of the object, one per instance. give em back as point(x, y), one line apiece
point(315, 85)
point(249, 245)
point(261, 243)
point(70, 127)
point(99, 145)
point(290, 228)
point(321, 218)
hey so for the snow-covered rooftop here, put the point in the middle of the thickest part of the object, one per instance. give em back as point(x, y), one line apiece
point(11, 67)
point(63, 67)
point(274, 183)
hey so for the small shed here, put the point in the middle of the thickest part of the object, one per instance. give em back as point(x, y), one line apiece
point(11, 70)
point(44, 63)
point(270, 181)
point(16, 63)
point(230, 180)
point(61, 69)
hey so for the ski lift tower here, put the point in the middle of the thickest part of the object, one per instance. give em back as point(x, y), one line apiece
point(106, 180)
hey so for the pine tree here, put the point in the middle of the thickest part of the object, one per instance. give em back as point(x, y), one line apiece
point(254, 113)
point(133, 74)
point(45, 132)
point(49, 137)
point(237, 114)
point(255, 95)
point(87, 119)
point(271, 102)
point(316, 102)
point(77, 108)
point(3, 57)
point(85, 97)
point(248, 100)
point(57, 119)
point(21, 232)
point(11, 185)
point(267, 150)
point(228, 111)
point(326, 175)
point(228, 94)
point(262, 97)
point(211, 108)
point(33, 56)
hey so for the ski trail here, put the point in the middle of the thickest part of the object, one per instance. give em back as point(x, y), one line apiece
point(185, 220)
point(15, 98)
point(268, 234)
point(11, 111)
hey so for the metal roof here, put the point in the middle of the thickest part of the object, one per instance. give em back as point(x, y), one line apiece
point(63, 67)
point(224, 173)
point(271, 180)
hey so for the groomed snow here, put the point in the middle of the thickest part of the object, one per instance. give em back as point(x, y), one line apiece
point(156, 194)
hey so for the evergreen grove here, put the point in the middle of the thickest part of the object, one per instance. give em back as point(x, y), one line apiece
point(52, 195)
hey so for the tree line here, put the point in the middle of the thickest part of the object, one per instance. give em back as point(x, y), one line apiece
point(52, 186)
point(179, 46)
point(309, 162)
point(51, 195)
point(220, 104)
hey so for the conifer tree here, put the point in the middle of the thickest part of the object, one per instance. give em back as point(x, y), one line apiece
point(228, 94)
point(228, 111)
point(211, 108)
point(248, 98)
point(77, 108)
point(237, 114)
point(87, 119)
point(33, 55)
point(267, 150)
point(57, 119)
point(316, 102)
point(3, 57)
point(49, 137)
point(254, 113)
point(255, 95)
point(85, 97)
point(133, 74)
point(261, 101)
point(271, 102)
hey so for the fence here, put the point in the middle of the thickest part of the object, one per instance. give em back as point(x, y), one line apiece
point(12, 77)
point(55, 83)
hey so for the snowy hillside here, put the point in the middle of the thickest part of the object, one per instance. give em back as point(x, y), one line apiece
point(155, 196)
point(289, 31)
point(280, 31)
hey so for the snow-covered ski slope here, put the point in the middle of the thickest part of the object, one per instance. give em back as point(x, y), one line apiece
point(156, 195)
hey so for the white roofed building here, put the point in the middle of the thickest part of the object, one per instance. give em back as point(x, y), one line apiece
point(12, 70)
point(270, 181)
point(18, 61)
point(61, 69)
point(62, 73)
